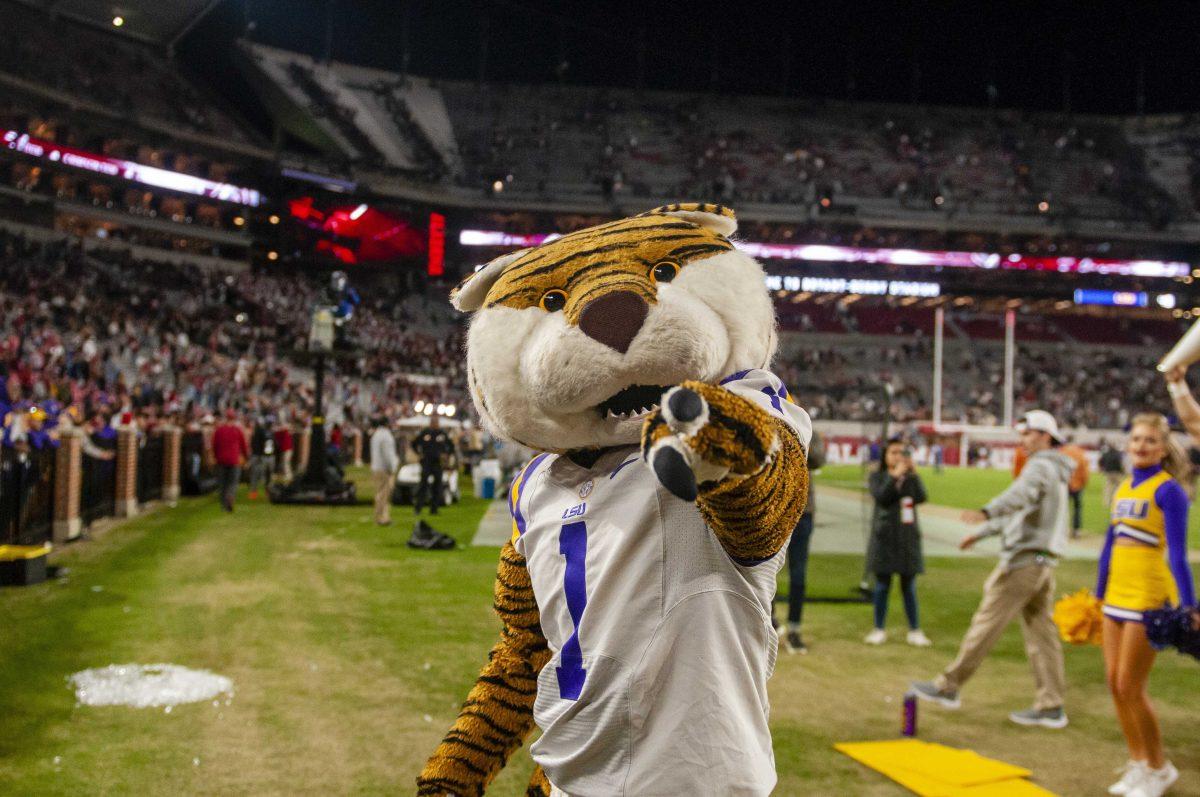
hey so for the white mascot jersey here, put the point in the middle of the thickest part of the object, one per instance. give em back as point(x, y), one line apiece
point(662, 644)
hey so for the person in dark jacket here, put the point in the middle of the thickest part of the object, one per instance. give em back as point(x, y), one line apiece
point(434, 448)
point(262, 448)
point(797, 556)
point(895, 547)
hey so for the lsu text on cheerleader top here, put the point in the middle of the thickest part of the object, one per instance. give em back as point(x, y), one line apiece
point(1150, 509)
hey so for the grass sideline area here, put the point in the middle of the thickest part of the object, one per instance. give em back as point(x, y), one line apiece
point(971, 488)
point(350, 655)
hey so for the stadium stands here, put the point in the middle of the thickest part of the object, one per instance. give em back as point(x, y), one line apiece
point(575, 144)
point(206, 333)
point(92, 68)
point(111, 333)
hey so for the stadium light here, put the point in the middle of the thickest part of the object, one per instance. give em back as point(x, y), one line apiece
point(358, 212)
point(429, 409)
point(272, 255)
point(450, 410)
point(274, 219)
point(118, 21)
point(238, 221)
point(498, 186)
point(1165, 301)
point(420, 405)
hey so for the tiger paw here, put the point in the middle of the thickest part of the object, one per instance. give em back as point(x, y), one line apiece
point(702, 434)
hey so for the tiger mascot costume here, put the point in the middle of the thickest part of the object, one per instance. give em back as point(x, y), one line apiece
point(636, 591)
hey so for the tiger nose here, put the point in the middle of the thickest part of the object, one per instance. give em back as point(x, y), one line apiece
point(614, 319)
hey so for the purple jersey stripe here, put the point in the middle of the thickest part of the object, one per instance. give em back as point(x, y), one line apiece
point(629, 461)
point(734, 377)
point(518, 518)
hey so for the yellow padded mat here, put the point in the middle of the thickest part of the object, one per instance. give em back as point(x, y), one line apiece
point(934, 770)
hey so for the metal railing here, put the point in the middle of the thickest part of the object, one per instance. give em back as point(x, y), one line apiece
point(26, 496)
point(99, 483)
point(149, 467)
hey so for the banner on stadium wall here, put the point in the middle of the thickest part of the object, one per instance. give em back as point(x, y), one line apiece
point(823, 253)
point(128, 170)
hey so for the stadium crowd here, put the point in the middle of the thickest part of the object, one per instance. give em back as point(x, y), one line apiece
point(104, 333)
point(101, 336)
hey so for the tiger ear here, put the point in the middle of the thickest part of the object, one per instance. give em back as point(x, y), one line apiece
point(469, 294)
point(716, 218)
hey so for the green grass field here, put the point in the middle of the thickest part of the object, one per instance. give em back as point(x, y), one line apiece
point(971, 488)
point(350, 655)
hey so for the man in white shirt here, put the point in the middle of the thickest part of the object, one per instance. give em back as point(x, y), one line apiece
point(384, 464)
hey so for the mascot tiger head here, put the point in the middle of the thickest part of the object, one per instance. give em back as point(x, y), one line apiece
point(573, 342)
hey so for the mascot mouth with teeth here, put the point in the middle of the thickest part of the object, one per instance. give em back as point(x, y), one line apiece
point(636, 591)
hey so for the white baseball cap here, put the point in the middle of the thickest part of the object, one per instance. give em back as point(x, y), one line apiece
point(1040, 421)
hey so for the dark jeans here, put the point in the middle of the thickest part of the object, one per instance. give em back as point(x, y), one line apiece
point(229, 476)
point(429, 489)
point(1076, 510)
point(908, 589)
point(797, 556)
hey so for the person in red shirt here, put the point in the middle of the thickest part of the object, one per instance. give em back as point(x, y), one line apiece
point(283, 450)
point(230, 449)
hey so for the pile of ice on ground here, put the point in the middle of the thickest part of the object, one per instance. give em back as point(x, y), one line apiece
point(147, 685)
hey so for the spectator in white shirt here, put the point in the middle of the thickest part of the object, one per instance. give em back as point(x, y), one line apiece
point(384, 463)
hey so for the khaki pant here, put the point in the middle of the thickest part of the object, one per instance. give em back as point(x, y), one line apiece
point(383, 496)
point(1029, 592)
point(1111, 482)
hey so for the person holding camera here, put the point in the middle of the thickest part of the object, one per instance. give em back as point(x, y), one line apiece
point(895, 546)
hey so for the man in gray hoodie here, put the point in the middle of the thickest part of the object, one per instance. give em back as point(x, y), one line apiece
point(1031, 517)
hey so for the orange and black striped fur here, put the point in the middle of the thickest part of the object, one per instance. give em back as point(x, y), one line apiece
point(498, 713)
point(716, 318)
point(755, 508)
point(615, 256)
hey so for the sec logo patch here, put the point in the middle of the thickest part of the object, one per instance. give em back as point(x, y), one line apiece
point(585, 489)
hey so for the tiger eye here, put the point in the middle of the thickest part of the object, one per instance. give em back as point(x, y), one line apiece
point(664, 271)
point(553, 300)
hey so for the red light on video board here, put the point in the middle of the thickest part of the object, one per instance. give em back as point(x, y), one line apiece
point(437, 245)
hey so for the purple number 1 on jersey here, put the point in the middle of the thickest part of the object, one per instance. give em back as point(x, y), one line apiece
point(572, 543)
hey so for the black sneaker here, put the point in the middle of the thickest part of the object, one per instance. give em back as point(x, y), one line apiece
point(427, 538)
point(1044, 717)
point(794, 643)
point(926, 690)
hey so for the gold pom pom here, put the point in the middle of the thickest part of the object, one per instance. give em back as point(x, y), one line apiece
point(1079, 618)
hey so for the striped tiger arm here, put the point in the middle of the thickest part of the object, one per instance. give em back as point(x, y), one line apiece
point(498, 712)
point(750, 467)
point(752, 517)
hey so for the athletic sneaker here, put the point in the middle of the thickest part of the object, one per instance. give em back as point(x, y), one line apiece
point(917, 639)
point(1155, 782)
point(794, 643)
point(1131, 775)
point(426, 537)
point(926, 690)
point(877, 637)
point(1044, 717)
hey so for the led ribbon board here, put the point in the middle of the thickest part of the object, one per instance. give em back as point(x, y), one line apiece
point(822, 253)
point(128, 170)
point(1112, 298)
